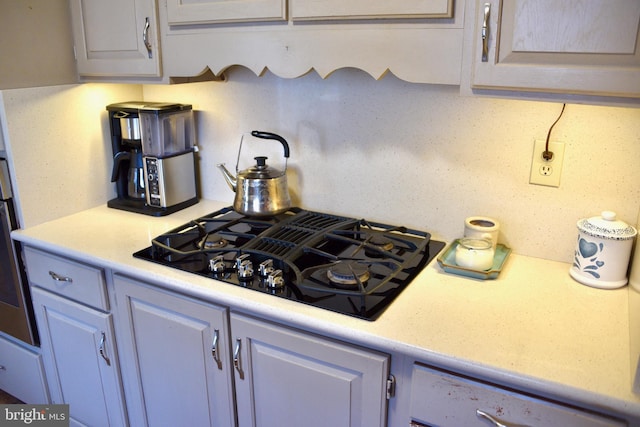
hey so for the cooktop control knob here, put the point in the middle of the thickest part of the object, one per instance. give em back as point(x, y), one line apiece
point(216, 264)
point(244, 267)
point(275, 280)
point(265, 268)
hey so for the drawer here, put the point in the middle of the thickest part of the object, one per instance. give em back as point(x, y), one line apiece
point(70, 279)
point(442, 399)
point(21, 372)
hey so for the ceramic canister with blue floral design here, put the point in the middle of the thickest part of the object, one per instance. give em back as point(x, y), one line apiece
point(603, 249)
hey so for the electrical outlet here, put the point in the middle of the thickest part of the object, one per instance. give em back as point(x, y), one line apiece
point(546, 172)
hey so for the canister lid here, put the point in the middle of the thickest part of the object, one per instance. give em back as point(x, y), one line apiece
point(607, 226)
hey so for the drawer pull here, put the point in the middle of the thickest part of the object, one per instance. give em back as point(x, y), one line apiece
point(214, 349)
point(101, 349)
point(494, 421)
point(485, 32)
point(59, 278)
point(236, 358)
point(2, 368)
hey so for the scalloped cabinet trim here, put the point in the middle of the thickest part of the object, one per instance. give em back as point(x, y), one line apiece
point(416, 40)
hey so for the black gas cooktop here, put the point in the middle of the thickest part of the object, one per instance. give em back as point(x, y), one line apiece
point(347, 265)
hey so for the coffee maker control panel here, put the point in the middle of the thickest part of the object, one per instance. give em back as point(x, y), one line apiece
point(170, 180)
point(153, 182)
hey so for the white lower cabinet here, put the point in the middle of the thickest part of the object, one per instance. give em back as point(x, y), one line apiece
point(80, 359)
point(181, 357)
point(183, 361)
point(442, 399)
point(77, 338)
point(175, 360)
point(288, 378)
point(21, 371)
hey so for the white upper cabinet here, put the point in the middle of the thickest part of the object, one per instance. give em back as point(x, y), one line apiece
point(116, 38)
point(417, 40)
point(182, 12)
point(367, 9)
point(567, 46)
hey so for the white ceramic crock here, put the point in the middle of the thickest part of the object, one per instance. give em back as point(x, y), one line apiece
point(482, 227)
point(603, 249)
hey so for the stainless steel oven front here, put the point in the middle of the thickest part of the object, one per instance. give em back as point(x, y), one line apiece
point(16, 310)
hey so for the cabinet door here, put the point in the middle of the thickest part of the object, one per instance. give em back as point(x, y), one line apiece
point(183, 12)
point(116, 38)
point(79, 353)
point(359, 9)
point(569, 46)
point(287, 378)
point(22, 371)
point(175, 358)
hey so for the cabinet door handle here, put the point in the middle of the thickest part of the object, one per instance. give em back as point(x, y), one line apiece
point(485, 32)
point(214, 349)
point(101, 349)
point(494, 421)
point(236, 358)
point(59, 278)
point(145, 36)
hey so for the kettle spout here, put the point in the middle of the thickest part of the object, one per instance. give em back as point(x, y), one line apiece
point(231, 180)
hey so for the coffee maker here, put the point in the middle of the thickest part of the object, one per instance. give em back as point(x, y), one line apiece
point(153, 157)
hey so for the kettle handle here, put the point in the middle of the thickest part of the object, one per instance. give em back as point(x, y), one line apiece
point(269, 135)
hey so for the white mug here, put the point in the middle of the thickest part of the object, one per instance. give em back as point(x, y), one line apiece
point(482, 227)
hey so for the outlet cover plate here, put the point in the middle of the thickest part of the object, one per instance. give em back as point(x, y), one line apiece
point(546, 172)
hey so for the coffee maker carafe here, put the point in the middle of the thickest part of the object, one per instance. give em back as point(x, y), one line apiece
point(153, 157)
point(130, 160)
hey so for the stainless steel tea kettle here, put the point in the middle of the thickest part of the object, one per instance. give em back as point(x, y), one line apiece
point(260, 190)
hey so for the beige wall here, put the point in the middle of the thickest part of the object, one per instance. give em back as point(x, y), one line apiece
point(58, 143)
point(37, 45)
point(389, 151)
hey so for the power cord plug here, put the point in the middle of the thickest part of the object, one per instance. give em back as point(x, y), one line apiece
point(546, 154)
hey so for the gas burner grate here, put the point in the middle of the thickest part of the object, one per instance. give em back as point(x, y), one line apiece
point(299, 247)
point(275, 247)
point(318, 221)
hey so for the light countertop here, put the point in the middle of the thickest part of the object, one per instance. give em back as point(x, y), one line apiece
point(533, 327)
